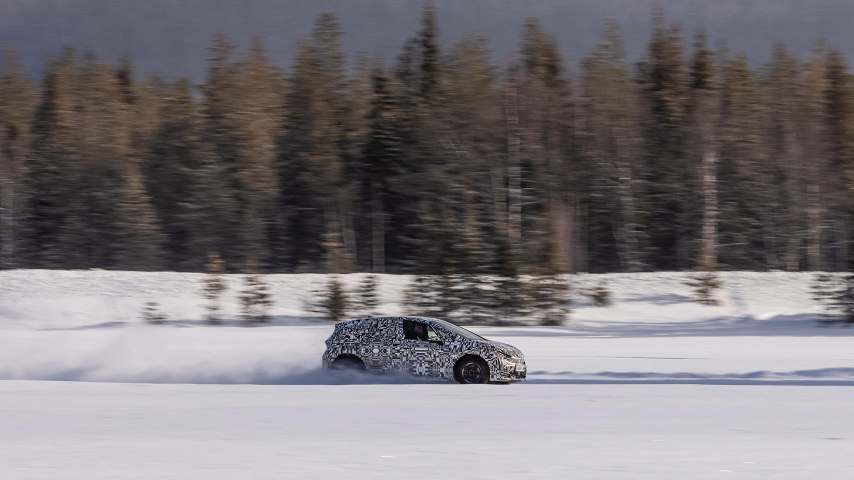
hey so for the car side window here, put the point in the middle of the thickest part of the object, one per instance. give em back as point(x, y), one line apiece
point(413, 330)
point(431, 334)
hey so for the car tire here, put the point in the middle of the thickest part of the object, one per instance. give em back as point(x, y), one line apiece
point(347, 364)
point(471, 370)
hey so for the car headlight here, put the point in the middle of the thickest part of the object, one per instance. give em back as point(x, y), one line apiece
point(506, 359)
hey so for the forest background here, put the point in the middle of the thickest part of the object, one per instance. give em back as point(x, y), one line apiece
point(440, 161)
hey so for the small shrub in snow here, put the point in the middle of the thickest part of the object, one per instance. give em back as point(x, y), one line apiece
point(335, 302)
point(367, 299)
point(510, 300)
point(548, 299)
point(489, 299)
point(255, 299)
point(213, 286)
point(704, 285)
point(424, 296)
point(151, 314)
point(599, 295)
point(836, 294)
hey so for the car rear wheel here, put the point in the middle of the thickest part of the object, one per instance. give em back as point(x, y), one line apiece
point(472, 370)
point(347, 364)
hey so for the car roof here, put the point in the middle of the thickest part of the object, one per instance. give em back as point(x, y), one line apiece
point(356, 321)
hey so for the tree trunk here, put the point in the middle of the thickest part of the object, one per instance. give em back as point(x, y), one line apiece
point(7, 218)
point(514, 169)
point(377, 234)
point(628, 240)
point(709, 182)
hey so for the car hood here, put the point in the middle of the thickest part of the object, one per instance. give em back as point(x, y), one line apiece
point(507, 349)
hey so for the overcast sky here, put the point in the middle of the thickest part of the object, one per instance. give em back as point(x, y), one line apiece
point(171, 37)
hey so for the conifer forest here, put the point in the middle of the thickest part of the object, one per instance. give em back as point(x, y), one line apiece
point(439, 160)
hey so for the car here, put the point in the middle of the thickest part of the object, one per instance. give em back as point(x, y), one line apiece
point(421, 346)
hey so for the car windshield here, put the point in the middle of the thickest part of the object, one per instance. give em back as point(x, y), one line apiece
point(458, 330)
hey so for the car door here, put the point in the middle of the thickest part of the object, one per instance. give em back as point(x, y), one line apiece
point(420, 348)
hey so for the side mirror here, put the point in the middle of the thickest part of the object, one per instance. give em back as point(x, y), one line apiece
point(437, 341)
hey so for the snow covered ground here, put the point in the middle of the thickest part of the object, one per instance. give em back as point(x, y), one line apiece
point(652, 387)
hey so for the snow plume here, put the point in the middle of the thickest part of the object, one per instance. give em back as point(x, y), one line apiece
point(163, 355)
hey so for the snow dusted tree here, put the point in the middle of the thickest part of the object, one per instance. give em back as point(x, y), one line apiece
point(255, 299)
point(212, 287)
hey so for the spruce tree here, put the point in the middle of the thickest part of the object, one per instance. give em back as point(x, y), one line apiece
point(241, 113)
point(186, 195)
point(315, 215)
point(610, 165)
point(746, 197)
point(18, 100)
point(139, 238)
point(668, 192)
point(46, 186)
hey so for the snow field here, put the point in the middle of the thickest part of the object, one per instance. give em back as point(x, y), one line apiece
point(651, 388)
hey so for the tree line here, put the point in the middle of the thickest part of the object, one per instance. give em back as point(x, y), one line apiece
point(440, 162)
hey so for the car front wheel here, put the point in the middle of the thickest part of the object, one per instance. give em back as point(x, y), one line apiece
point(472, 370)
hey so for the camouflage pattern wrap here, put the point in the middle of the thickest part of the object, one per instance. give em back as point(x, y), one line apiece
point(380, 344)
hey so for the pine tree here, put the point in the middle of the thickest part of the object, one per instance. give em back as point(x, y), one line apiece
point(213, 286)
point(668, 199)
point(241, 112)
point(186, 185)
point(17, 106)
point(315, 211)
point(745, 198)
point(784, 227)
point(546, 157)
point(139, 238)
point(381, 159)
point(610, 145)
point(46, 185)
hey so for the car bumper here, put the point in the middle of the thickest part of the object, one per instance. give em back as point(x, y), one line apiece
point(511, 373)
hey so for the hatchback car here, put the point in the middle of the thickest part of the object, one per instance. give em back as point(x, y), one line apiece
point(421, 346)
